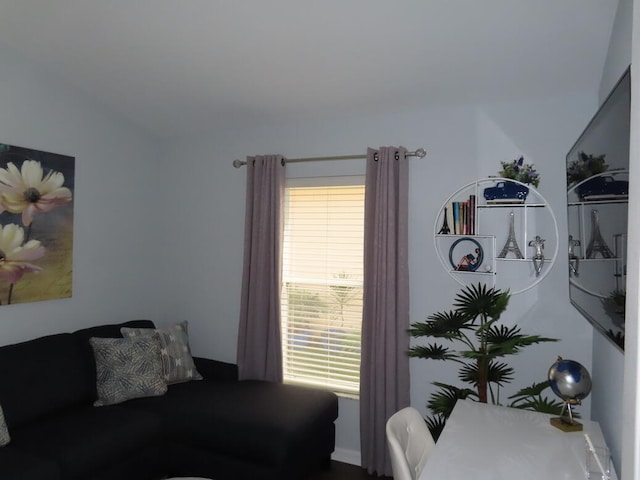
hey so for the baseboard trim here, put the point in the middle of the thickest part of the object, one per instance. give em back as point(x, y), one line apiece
point(344, 455)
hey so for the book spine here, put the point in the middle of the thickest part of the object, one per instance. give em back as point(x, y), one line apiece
point(452, 228)
point(472, 219)
point(456, 217)
point(465, 218)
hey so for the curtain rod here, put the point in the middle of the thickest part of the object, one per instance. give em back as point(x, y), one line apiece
point(420, 153)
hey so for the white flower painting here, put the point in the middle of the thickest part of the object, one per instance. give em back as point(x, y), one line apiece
point(36, 225)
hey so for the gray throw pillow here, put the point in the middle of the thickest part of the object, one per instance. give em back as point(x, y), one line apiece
point(177, 362)
point(127, 368)
point(4, 431)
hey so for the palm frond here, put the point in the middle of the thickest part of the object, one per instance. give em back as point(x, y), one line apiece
point(499, 334)
point(436, 424)
point(443, 401)
point(483, 330)
point(535, 389)
point(500, 305)
point(542, 404)
point(433, 352)
point(530, 398)
point(468, 373)
point(441, 325)
point(479, 300)
point(500, 373)
point(497, 373)
point(503, 334)
point(475, 354)
point(514, 345)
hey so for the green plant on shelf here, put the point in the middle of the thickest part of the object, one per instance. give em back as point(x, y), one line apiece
point(520, 171)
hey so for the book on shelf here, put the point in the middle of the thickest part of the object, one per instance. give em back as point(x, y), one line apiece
point(450, 218)
point(461, 216)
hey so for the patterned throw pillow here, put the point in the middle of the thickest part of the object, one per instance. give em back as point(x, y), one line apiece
point(4, 431)
point(127, 368)
point(177, 362)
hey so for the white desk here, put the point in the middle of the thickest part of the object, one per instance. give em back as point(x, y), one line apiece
point(487, 442)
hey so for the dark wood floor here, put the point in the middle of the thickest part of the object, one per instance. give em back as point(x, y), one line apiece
point(344, 471)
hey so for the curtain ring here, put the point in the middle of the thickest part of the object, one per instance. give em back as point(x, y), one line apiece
point(282, 162)
point(375, 157)
point(397, 156)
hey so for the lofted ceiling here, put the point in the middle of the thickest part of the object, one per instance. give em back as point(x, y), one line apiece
point(171, 65)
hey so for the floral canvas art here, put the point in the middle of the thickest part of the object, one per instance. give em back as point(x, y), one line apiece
point(36, 225)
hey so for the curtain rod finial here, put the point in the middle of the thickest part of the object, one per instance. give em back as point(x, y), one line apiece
point(421, 153)
point(238, 163)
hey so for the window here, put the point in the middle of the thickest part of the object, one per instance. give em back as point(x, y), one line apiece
point(322, 282)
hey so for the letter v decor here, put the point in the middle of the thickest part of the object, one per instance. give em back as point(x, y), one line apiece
point(36, 225)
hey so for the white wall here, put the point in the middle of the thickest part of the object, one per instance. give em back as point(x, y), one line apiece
point(463, 143)
point(116, 219)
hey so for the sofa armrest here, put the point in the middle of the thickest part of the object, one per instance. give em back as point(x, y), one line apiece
point(216, 370)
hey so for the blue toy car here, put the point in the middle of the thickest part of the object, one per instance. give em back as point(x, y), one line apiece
point(506, 191)
point(603, 186)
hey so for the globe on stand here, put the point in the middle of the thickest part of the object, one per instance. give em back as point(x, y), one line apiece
point(570, 381)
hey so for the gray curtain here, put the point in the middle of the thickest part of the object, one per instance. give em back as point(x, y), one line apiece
point(259, 341)
point(384, 373)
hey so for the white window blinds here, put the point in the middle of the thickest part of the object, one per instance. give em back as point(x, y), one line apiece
point(322, 282)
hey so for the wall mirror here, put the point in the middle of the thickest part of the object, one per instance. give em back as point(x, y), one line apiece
point(597, 194)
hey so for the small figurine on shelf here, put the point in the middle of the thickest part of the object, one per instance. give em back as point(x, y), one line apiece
point(597, 243)
point(538, 257)
point(574, 261)
point(445, 225)
point(511, 244)
point(469, 262)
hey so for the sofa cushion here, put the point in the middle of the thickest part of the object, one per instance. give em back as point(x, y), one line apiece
point(127, 368)
point(100, 331)
point(177, 362)
point(216, 370)
point(109, 331)
point(4, 431)
point(20, 465)
point(259, 421)
point(42, 376)
point(89, 439)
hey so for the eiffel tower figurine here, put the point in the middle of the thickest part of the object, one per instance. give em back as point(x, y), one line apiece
point(511, 245)
point(445, 224)
point(597, 243)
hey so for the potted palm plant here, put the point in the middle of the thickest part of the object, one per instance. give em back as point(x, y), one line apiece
point(473, 325)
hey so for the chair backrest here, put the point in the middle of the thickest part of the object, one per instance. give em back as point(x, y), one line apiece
point(410, 443)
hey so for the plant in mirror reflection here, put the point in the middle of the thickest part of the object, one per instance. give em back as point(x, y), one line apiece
point(473, 326)
point(585, 166)
point(614, 307)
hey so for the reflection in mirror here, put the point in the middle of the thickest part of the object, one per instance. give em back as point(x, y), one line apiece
point(597, 193)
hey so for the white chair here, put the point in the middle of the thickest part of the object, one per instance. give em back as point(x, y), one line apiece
point(410, 443)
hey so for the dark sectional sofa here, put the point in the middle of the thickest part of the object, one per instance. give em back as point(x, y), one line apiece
point(218, 427)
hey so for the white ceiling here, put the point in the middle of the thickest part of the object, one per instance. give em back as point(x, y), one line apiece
point(170, 65)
